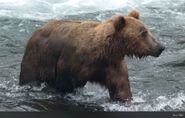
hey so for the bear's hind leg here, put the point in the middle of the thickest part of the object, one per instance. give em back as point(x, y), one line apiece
point(28, 75)
point(29, 68)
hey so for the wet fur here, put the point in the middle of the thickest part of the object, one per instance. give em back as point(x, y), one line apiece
point(67, 54)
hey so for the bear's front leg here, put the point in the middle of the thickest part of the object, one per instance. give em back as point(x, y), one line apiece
point(117, 83)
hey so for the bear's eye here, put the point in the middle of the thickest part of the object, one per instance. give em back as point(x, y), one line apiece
point(144, 33)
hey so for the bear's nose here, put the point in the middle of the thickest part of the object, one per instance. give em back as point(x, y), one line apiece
point(161, 48)
point(158, 50)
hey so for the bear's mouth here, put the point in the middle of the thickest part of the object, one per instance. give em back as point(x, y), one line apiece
point(137, 55)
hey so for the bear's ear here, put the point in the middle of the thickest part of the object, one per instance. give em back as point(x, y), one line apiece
point(119, 22)
point(134, 14)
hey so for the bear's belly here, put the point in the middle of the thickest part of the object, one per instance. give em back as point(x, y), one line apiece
point(67, 83)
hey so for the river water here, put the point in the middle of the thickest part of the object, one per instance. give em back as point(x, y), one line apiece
point(158, 84)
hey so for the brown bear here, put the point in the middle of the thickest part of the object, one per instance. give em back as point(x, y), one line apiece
point(67, 54)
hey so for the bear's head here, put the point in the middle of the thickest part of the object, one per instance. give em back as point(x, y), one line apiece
point(135, 37)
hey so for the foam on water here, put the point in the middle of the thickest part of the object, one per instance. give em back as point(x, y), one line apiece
point(157, 84)
point(162, 103)
point(93, 93)
point(48, 9)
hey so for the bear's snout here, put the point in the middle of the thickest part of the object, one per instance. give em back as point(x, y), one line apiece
point(158, 50)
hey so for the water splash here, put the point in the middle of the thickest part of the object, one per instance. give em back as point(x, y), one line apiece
point(48, 9)
point(157, 84)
